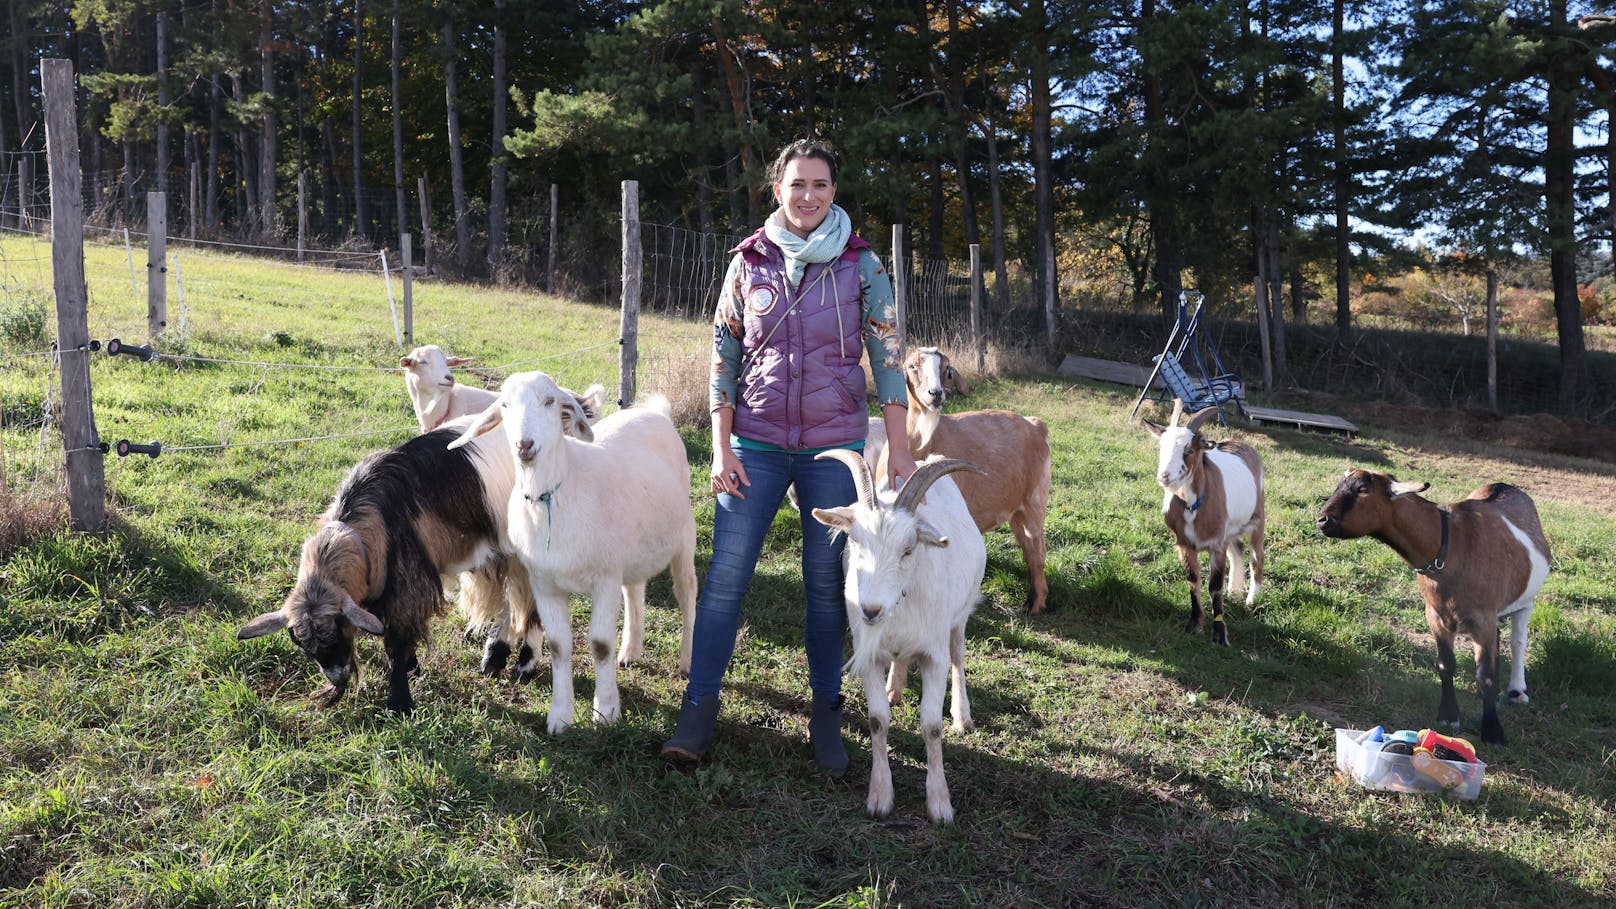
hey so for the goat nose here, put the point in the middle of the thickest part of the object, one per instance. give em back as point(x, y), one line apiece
point(872, 611)
point(1323, 520)
point(524, 449)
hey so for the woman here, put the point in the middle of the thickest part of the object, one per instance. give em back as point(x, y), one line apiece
point(802, 297)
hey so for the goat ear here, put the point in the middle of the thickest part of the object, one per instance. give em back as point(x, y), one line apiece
point(574, 422)
point(1156, 429)
point(835, 518)
point(461, 361)
point(1408, 488)
point(362, 618)
point(929, 535)
point(958, 381)
point(405, 362)
point(592, 400)
point(488, 419)
point(267, 623)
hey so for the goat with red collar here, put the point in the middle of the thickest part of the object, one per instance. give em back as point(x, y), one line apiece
point(1478, 561)
point(1214, 503)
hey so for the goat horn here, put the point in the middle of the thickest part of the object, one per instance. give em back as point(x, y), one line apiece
point(1178, 411)
point(1199, 417)
point(861, 473)
point(930, 472)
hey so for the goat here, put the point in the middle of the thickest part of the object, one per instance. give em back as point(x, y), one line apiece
point(1478, 561)
point(594, 517)
point(908, 599)
point(488, 595)
point(400, 520)
point(1213, 499)
point(1014, 448)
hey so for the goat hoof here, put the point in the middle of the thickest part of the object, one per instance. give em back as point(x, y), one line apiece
point(495, 658)
point(1220, 635)
point(1518, 697)
point(524, 676)
point(1493, 734)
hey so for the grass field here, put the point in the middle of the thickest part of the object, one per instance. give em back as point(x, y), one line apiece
point(149, 759)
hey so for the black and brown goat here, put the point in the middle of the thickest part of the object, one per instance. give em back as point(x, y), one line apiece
point(1213, 499)
point(1014, 449)
point(1478, 561)
point(401, 520)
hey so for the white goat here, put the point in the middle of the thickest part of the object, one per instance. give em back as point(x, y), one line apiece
point(908, 600)
point(489, 595)
point(1213, 497)
point(594, 518)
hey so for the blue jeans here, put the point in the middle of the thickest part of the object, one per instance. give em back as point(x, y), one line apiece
point(739, 528)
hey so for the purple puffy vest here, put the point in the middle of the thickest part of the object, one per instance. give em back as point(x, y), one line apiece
point(802, 380)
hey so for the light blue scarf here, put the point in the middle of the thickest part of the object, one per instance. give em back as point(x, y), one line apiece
point(828, 241)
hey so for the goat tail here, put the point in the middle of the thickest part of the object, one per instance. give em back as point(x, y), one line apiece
point(658, 403)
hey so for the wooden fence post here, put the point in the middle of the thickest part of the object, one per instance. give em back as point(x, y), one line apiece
point(900, 282)
point(629, 333)
point(555, 194)
point(302, 211)
point(405, 251)
point(426, 224)
point(86, 470)
point(978, 343)
point(156, 264)
point(1051, 275)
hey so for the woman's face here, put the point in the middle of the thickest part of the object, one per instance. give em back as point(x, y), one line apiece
point(805, 193)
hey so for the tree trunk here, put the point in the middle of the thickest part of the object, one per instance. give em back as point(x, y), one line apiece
point(1043, 185)
point(360, 228)
point(1492, 336)
point(398, 132)
point(20, 52)
point(215, 140)
point(702, 173)
point(496, 193)
point(1163, 227)
point(161, 182)
point(1343, 181)
point(246, 174)
point(737, 102)
point(938, 216)
point(269, 155)
point(457, 158)
point(1001, 272)
point(958, 124)
point(1559, 181)
point(329, 198)
point(1276, 301)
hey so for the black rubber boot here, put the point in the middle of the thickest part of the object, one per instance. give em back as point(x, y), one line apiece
point(694, 730)
point(825, 734)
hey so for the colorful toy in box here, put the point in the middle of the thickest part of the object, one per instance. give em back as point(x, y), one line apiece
point(1433, 749)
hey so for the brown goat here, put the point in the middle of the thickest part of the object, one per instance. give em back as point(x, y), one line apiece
point(1478, 561)
point(400, 520)
point(1214, 498)
point(1014, 449)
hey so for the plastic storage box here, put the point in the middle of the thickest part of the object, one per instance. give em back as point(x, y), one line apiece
point(1375, 769)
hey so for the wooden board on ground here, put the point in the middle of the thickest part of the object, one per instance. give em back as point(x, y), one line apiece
point(1136, 376)
point(1300, 419)
point(1105, 370)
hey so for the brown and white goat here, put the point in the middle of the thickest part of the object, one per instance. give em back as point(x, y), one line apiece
point(1213, 501)
point(1014, 450)
point(400, 520)
point(1478, 561)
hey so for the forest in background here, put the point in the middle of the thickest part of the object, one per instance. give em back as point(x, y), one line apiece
point(1278, 155)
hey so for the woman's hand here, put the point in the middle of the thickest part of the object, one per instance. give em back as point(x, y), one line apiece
point(900, 464)
point(728, 474)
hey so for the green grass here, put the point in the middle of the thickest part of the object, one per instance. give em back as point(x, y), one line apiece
point(149, 759)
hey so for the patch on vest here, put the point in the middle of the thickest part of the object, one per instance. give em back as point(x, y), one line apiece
point(760, 300)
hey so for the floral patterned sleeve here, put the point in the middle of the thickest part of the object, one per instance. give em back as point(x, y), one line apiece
point(881, 331)
point(727, 331)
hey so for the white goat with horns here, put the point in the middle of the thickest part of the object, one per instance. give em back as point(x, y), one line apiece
point(908, 600)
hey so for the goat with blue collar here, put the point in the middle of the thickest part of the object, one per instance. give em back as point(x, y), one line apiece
point(1213, 502)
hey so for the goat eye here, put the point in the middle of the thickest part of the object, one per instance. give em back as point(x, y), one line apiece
point(550, 401)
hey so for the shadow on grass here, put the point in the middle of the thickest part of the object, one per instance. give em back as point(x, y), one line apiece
point(754, 824)
point(80, 586)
